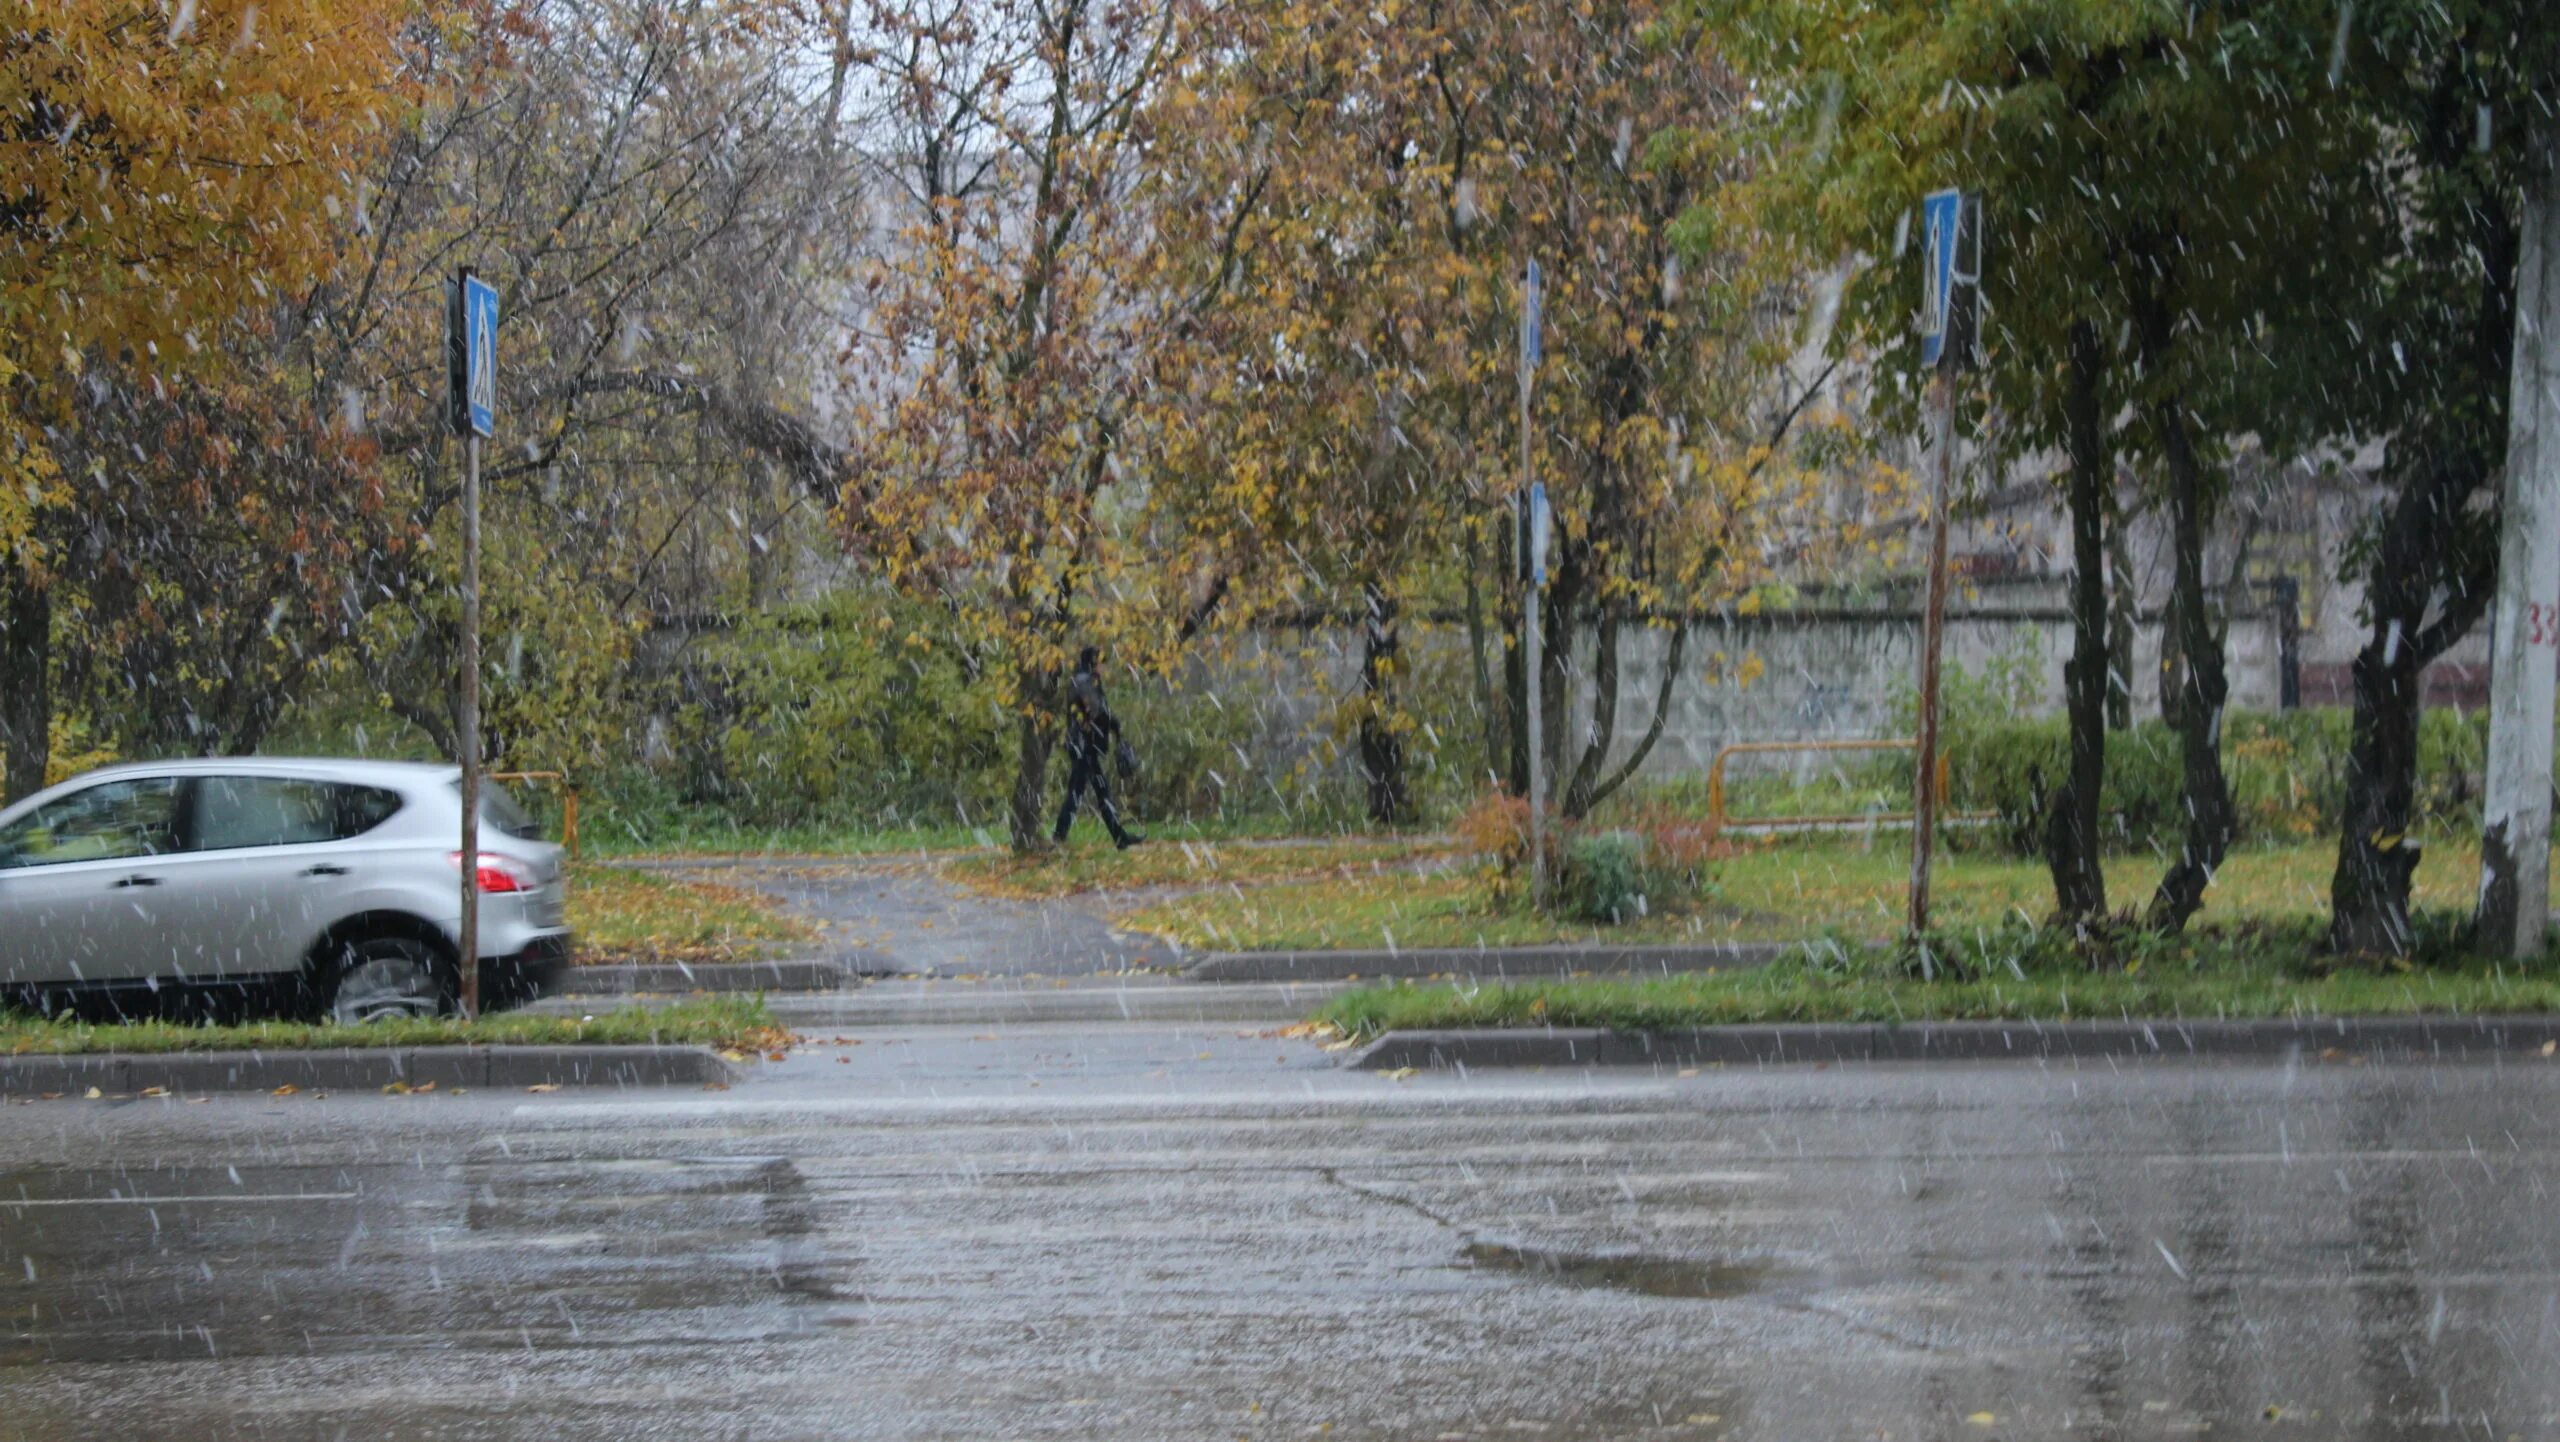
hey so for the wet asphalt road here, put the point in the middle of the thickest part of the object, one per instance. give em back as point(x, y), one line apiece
point(1191, 1232)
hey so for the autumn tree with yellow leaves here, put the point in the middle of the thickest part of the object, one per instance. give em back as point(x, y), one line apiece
point(1008, 338)
point(1356, 432)
point(171, 167)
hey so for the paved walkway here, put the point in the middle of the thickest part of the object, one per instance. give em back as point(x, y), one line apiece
point(900, 917)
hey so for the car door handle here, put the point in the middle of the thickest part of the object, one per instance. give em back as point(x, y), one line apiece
point(138, 881)
point(324, 869)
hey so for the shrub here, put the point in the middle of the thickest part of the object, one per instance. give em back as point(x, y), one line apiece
point(1602, 877)
point(1496, 828)
point(2287, 773)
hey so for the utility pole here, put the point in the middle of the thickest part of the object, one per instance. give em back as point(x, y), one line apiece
point(1950, 285)
point(1533, 505)
point(471, 346)
point(2515, 814)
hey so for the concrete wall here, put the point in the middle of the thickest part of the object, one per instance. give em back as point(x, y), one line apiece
point(1787, 675)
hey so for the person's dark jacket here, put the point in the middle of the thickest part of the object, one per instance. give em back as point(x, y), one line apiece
point(1090, 725)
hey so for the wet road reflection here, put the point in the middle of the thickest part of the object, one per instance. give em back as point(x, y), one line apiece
point(2166, 1251)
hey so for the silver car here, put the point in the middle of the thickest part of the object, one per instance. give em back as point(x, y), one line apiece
point(340, 880)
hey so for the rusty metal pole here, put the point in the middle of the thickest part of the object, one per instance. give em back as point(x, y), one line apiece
point(1933, 621)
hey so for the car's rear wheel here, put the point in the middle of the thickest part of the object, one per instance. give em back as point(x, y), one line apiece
point(389, 977)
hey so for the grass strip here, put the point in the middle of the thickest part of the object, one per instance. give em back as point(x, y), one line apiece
point(738, 1023)
point(2015, 974)
point(620, 914)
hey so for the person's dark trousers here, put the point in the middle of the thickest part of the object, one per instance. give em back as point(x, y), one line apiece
point(1085, 773)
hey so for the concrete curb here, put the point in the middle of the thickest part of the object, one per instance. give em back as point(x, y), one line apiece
point(897, 1004)
point(362, 1069)
point(2447, 1036)
point(629, 978)
point(1526, 961)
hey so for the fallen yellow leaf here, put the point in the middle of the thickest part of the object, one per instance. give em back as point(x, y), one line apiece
point(155, 1091)
point(92, 1094)
point(544, 1087)
point(1982, 1419)
point(286, 1090)
point(395, 1089)
point(1399, 1074)
point(2550, 1047)
point(1687, 1072)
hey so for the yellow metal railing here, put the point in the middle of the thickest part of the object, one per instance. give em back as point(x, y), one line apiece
point(568, 802)
point(1715, 785)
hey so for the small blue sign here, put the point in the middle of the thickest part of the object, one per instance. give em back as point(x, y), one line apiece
point(1943, 214)
point(480, 353)
point(1532, 320)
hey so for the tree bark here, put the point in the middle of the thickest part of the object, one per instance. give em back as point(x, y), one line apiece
point(26, 695)
point(1603, 733)
point(2071, 839)
point(1491, 705)
point(2124, 607)
point(1036, 731)
point(1382, 765)
point(1579, 804)
point(2203, 689)
point(2369, 891)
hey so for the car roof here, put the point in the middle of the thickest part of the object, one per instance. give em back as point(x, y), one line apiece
point(383, 773)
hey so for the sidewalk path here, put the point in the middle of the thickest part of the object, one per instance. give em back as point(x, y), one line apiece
point(901, 916)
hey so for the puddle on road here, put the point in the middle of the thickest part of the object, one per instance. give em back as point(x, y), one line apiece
point(1635, 1272)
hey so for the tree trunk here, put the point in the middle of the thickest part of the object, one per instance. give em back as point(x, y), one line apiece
point(1491, 705)
point(1515, 665)
point(1381, 744)
point(1557, 609)
point(2071, 850)
point(1587, 794)
point(2124, 609)
point(26, 696)
point(2202, 691)
point(1578, 790)
point(2369, 891)
point(2420, 555)
point(1036, 729)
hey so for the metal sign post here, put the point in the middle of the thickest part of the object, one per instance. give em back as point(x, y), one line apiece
point(1533, 606)
point(1949, 286)
point(471, 350)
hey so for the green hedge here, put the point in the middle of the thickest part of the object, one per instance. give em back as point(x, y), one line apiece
point(2287, 773)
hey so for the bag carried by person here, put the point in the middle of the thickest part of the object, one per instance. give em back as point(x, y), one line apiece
point(1124, 756)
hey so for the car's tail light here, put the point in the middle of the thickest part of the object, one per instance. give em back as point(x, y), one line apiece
point(499, 874)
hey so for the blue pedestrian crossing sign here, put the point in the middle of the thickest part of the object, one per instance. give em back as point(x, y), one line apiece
point(471, 347)
point(1950, 279)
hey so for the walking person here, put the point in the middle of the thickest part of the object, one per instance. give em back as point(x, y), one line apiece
point(1091, 730)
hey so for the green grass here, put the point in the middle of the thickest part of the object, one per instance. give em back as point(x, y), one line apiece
point(1771, 891)
point(623, 915)
point(2014, 974)
point(722, 1022)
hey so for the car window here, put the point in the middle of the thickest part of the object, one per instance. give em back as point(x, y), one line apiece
point(111, 821)
point(237, 812)
point(362, 808)
point(234, 813)
point(500, 809)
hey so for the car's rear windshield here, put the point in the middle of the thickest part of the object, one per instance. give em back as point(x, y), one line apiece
point(500, 809)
